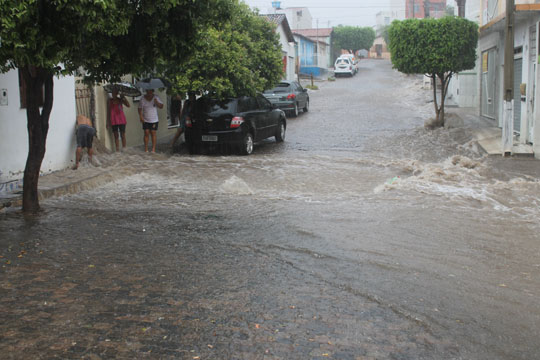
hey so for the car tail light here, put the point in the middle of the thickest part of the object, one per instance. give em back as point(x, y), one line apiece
point(188, 122)
point(236, 122)
point(291, 97)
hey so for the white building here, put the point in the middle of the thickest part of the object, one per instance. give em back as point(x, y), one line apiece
point(298, 17)
point(288, 43)
point(61, 142)
point(526, 75)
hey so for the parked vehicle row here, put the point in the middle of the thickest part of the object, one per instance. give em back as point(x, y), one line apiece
point(241, 122)
point(346, 64)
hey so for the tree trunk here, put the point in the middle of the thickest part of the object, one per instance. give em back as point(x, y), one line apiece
point(38, 126)
point(445, 81)
point(435, 102)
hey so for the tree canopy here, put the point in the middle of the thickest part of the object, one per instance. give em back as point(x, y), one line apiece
point(435, 47)
point(108, 38)
point(239, 56)
point(353, 38)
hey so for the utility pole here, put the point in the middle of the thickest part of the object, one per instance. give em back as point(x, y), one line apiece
point(508, 107)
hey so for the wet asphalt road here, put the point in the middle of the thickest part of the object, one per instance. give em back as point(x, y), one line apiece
point(363, 236)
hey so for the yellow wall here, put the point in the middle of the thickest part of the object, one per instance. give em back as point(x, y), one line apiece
point(134, 132)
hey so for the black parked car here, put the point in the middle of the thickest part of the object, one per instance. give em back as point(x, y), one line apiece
point(289, 96)
point(238, 122)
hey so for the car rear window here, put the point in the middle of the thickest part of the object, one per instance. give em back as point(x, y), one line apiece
point(280, 88)
point(215, 107)
point(342, 61)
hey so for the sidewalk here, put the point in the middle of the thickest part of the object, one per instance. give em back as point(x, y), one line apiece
point(488, 134)
point(69, 181)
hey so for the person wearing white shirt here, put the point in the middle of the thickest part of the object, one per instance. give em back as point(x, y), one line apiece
point(148, 115)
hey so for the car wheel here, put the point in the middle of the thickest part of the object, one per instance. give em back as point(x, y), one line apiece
point(294, 113)
point(306, 108)
point(280, 134)
point(247, 144)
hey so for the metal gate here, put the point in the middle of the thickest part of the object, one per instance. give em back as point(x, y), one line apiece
point(83, 98)
point(518, 72)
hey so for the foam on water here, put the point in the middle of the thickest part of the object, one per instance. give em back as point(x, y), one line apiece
point(460, 180)
point(235, 185)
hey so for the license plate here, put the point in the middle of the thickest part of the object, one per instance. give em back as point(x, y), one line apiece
point(209, 138)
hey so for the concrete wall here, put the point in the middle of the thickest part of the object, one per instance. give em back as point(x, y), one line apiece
point(60, 145)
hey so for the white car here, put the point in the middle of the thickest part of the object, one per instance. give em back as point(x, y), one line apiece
point(353, 60)
point(344, 66)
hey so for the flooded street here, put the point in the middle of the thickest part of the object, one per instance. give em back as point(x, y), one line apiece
point(362, 236)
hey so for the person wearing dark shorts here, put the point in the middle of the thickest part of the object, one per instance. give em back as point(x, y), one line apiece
point(150, 126)
point(85, 136)
point(119, 129)
point(148, 115)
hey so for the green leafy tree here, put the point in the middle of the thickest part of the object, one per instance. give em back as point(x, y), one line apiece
point(108, 38)
point(353, 38)
point(436, 47)
point(238, 56)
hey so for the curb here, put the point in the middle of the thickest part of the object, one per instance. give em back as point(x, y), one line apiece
point(65, 189)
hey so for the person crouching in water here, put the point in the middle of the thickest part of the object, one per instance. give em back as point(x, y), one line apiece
point(149, 117)
point(85, 136)
point(118, 118)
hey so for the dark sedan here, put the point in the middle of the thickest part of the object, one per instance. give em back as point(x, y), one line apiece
point(237, 122)
point(289, 96)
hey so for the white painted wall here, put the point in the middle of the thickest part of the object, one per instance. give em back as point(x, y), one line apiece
point(463, 88)
point(288, 50)
point(60, 152)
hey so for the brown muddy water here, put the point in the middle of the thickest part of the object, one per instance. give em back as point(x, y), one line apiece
point(362, 236)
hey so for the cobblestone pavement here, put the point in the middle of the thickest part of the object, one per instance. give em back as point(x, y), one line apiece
point(362, 236)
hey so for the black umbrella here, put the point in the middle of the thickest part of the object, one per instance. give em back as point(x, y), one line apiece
point(126, 89)
point(153, 83)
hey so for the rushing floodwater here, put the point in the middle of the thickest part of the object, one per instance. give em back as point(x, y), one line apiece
point(362, 236)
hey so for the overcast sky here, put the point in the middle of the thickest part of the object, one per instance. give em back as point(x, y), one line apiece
point(334, 12)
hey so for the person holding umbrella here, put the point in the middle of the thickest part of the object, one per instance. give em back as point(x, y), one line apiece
point(148, 115)
point(117, 117)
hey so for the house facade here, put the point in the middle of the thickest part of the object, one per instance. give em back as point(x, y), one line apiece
point(61, 140)
point(526, 75)
point(312, 56)
point(379, 50)
point(322, 37)
point(288, 44)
